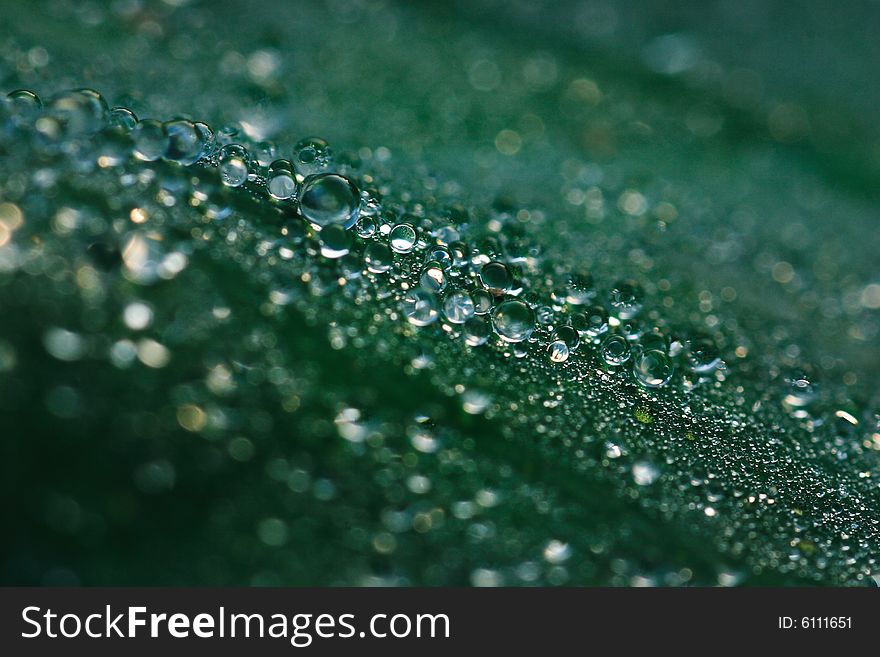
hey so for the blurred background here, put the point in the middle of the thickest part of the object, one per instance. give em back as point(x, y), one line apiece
point(729, 150)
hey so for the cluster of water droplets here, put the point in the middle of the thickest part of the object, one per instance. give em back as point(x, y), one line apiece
point(484, 291)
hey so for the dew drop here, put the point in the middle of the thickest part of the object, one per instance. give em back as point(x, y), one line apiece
point(514, 321)
point(366, 227)
point(702, 355)
point(615, 350)
point(420, 307)
point(82, 111)
point(378, 257)
point(482, 301)
point(312, 155)
point(402, 238)
point(335, 241)
point(183, 143)
point(496, 278)
point(625, 299)
point(122, 117)
point(476, 331)
point(458, 306)
point(149, 140)
point(329, 198)
point(569, 336)
point(580, 289)
point(281, 180)
point(23, 105)
point(652, 368)
point(234, 165)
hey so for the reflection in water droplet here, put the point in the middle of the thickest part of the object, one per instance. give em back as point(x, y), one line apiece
point(496, 277)
point(281, 180)
point(420, 307)
point(378, 257)
point(514, 321)
point(433, 278)
point(329, 198)
point(652, 368)
point(402, 238)
point(615, 350)
point(625, 299)
point(476, 331)
point(558, 351)
point(335, 241)
point(233, 161)
point(458, 307)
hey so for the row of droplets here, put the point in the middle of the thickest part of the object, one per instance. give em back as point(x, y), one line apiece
point(478, 294)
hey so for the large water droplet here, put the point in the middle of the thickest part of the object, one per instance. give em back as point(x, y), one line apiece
point(514, 321)
point(496, 277)
point(281, 180)
point(378, 257)
point(458, 307)
point(183, 142)
point(652, 368)
point(420, 307)
point(149, 140)
point(234, 165)
point(615, 350)
point(402, 238)
point(329, 198)
point(625, 299)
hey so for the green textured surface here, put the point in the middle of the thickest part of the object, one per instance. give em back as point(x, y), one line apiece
point(768, 154)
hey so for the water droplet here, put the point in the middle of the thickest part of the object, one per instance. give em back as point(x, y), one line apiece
point(652, 368)
point(281, 180)
point(335, 241)
point(625, 299)
point(183, 142)
point(476, 331)
point(558, 351)
point(702, 355)
point(569, 336)
point(653, 341)
point(378, 257)
point(483, 301)
point(420, 307)
point(440, 255)
point(149, 140)
point(496, 278)
point(592, 321)
point(433, 278)
point(514, 321)
point(459, 252)
point(615, 350)
point(580, 289)
point(403, 238)
point(312, 155)
point(82, 111)
point(329, 198)
point(458, 306)
point(234, 160)
point(122, 117)
point(366, 227)
point(800, 391)
point(23, 105)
